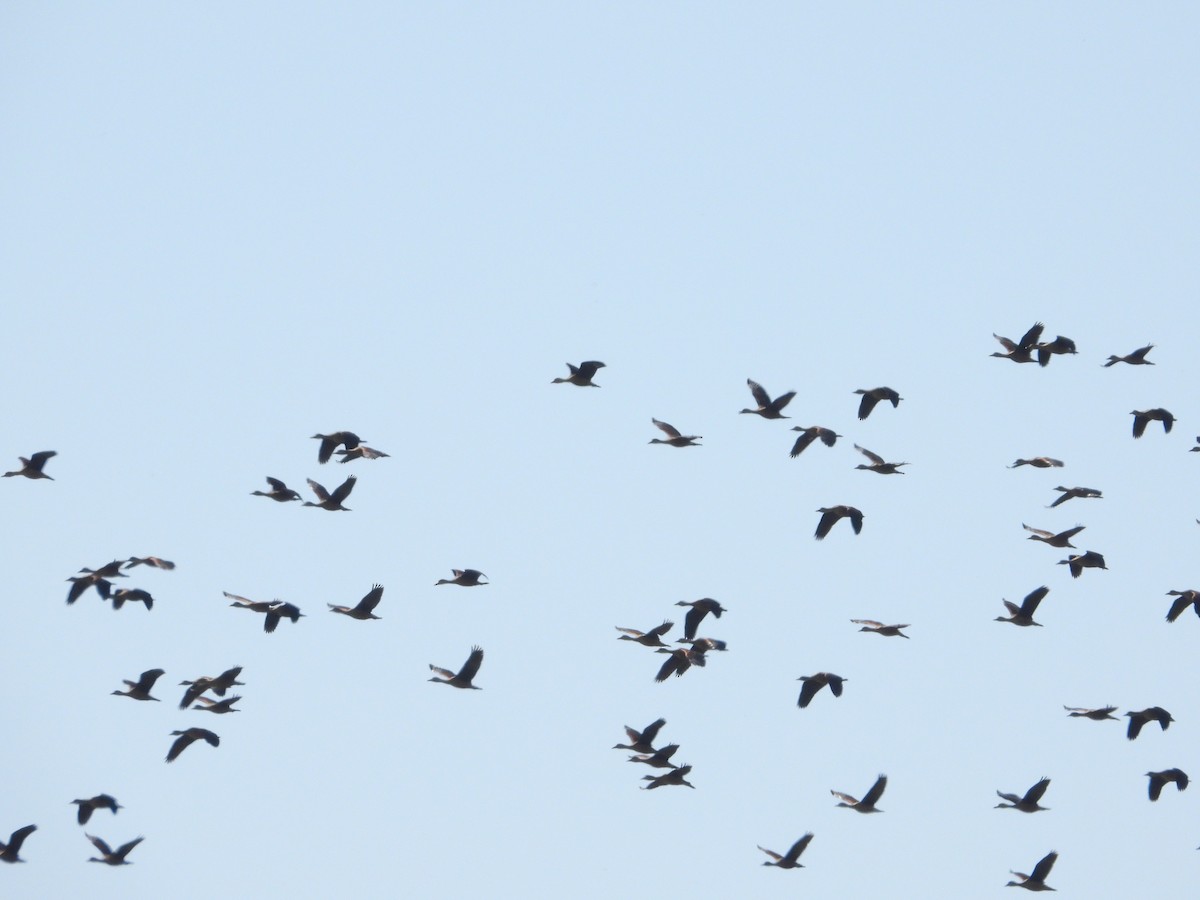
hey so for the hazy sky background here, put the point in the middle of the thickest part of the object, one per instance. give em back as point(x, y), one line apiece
point(227, 227)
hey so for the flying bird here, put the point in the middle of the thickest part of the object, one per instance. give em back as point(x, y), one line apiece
point(699, 609)
point(651, 638)
point(330, 442)
point(1060, 539)
point(1029, 802)
point(788, 860)
point(1136, 358)
point(1159, 780)
point(830, 516)
point(814, 683)
point(678, 662)
point(1143, 417)
point(1077, 562)
point(1020, 351)
point(97, 578)
point(220, 707)
point(1096, 715)
point(187, 737)
point(32, 467)
point(132, 595)
point(90, 805)
point(1036, 881)
point(1140, 717)
point(279, 491)
point(273, 610)
point(461, 679)
point(877, 463)
point(674, 438)
point(463, 578)
point(140, 689)
point(112, 857)
point(1068, 493)
point(1023, 615)
point(659, 759)
point(332, 501)
point(153, 562)
point(10, 852)
point(873, 396)
point(1060, 345)
point(218, 685)
point(362, 451)
point(767, 408)
point(879, 628)
point(642, 741)
point(674, 776)
point(826, 436)
point(1183, 599)
point(1039, 462)
point(365, 608)
point(867, 803)
point(582, 374)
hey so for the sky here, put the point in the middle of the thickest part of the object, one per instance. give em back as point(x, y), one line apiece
point(227, 227)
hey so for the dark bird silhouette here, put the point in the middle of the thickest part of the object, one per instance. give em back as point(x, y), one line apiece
point(362, 451)
point(131, 595)
point(1060, 539)
point(111, 857)
point(189, 736)
point(582, 374)
point(867, 803)
point(831, 514)
point(1139, 717)
point(330, 442)
point(1096, 715)
point(1196, 449)
point(81, 583)
point(701, 646)
point(463, 578)
point(699, 609)
point(332, 501)
point(1159, 780)
point(140, 689)
point(873, 396)
point(659, 759)
point(1027, 803)
point(812, 433)
point(365, 609)
point(274, 610)
point(767, 408)
point(1136, 358)
point(1183, 599)
point(219, 707)
point(1142, 417)
point(153, 562)
point(108, 570)
point(674, 776)
point(1068, 493)
point(678, 662)
point(32, 467)
point(1023, 614)
point(90, 805)
point(461, 679)
point(218, 685)
point(11, 852)
point(1020, 351)
point(1039, 462)
point(642, 741)
point(1060, 345)
point(814, 683)
point(1036, 881)
point(279, 491)
point(879, 628)
point(1077, 562)
point(674, 437)
point(651, 638)
point(877, 463)
point(789, 859)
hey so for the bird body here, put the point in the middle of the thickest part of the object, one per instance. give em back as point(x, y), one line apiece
point(826, 436)
point(674, 437)
point(877, 463)
point(1023, 615)
point(582, 374)
point(111, 857)
point(279, 491)
point(659, 759)
point(873, 396)
point(767, 408)
point(220, 707)
point(32, 466)
point(814, 683)
point(1143, 417)
point(90, 805)
point(870, 798)
point(1140, 717)
point(187, 737)
point(365, 609)
point(463, 677)
point(699, 609)
point(1020, 351)
point(331, 501)
point(134, 595)
point(330, 442)
point(463, 578)
point(362, 451)
point(642, 741)
point(674, 776)
point(1060, 539)
point(140, 689)
point(651, 638)
point(1036, 881)
point(1159, 780)
point(1077, 562)
point(1027, 803)
point(1039, 462)
point(11, 852)
point(153, 562)
point(218, 685)
point(1096, 715)
point(1183, 599)
point(830, 515)
point(874, 627)
point(1136, 358)
point(788, 860)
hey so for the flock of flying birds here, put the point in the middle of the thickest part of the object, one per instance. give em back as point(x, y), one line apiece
point(1029, 349)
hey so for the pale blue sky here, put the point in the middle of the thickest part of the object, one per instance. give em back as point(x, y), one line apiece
point(227, 227)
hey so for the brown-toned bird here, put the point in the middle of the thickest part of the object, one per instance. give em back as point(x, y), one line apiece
point(659, 759)
point(362, 451)
point(651, 638)
point(462, 678)
point(1023, 615)
point(1183, 599)
point(32, 466)
point(875, 627)
point(790, 859)
point(1036, 880)
point(463, 578)
point(140, 689)
point(1060, 539)
point(279, 491)
point(1136, 358)
point(219, 685)
point(153, 562)
point(877, 463)
point(642, 741)
point(582, 374)
point(187, 737)
point(767, 408)
point(1068, 493)
point(873, 396)
point(1038, 462)
point(1159, 780)
point(330, 442)
point(1140, 717)
point(1059, 346)
point(1029, 802)
point(1020, 351)
point(1096, 715)
point(830, 516)
point(91, 804)
point(826, 436)
point(674, 437)
point(109, 856)
point(1077, 562)
point(870, 798)
point(1143, 417)
point(674, 776)
point(699, 609)
point(121, 596)
point(219, 707)
point(814, 683)
point(365, 608)
point(11, 852)
point(331, 502)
